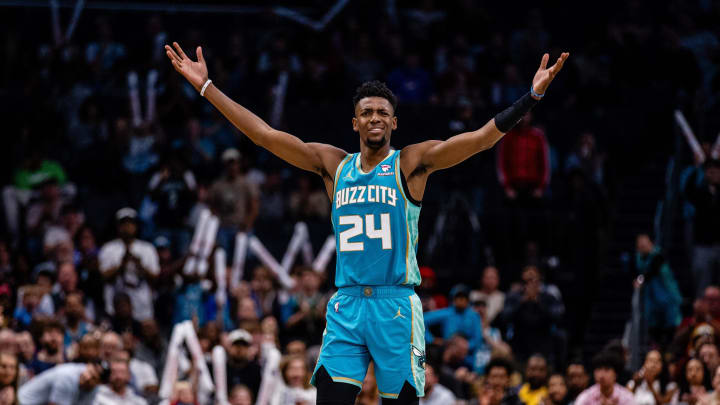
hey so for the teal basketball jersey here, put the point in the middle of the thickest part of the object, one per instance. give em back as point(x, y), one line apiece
point(375, 225)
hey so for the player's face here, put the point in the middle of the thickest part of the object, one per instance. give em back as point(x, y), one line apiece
point(374, 120)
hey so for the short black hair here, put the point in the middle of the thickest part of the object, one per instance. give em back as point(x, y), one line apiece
point(500, 362)
point(375, 88)
point(608, 359)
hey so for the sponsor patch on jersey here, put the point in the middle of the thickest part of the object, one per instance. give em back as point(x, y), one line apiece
point(384, 170)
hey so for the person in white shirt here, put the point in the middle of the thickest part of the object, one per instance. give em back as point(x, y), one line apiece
point(129, 265)
point(118, 391)
point(435, 394)
point(66, 384)
point(295, 387)
point(494, 298)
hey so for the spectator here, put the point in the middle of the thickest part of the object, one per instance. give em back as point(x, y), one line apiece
point(661, 293)
point(234, 200)
point(304, 313)
point(75, 325)
point(494, 298)
point(122, 319)
point(428, 291)
point(241, 395)
point(9, 378)
point(706, 252)
point(694, 382)
point(586, 158)
point(651, 385)
point(183, 394)
point(557, 391)
point(712, 398)
point(90, 279)
point(143, 376)
point(497, 385)
point(410, 83)
point(152, 346)
point(524, 161)
point(172, 188)
point(536, 375)
point(242, 367)
point(493, 339)
point(26, 347)
point(296, 388)
point(708, 353)
point(577, 380)
point(117, 391)
point(531, 316)
point(129, 265)
point(110, 345)
point(455, 372)
point(606, 366)
point(51, 351)
point(66, 384)
point(435, 393)
point(308, 201)
point(458, 318)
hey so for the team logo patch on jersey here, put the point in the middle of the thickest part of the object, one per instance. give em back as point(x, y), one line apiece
point(384, 170)
point(420, 355)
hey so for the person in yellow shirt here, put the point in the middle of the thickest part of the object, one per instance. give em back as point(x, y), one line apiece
point(536, 375)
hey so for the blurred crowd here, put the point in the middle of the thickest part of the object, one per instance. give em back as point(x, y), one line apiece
point(110, 158)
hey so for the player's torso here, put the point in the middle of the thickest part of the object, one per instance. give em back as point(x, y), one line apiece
point(375, 225)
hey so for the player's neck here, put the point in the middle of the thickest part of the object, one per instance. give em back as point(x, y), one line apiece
point(369, 157)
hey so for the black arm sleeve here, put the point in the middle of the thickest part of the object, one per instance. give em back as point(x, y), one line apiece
point(509, 117)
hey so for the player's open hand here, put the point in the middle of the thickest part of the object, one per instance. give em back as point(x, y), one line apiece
point(545, 75)
point(195, 72)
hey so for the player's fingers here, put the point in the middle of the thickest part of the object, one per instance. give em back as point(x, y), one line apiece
point(544, 61)
point(179, 51)
point(200, 57)
point(560, 62)
point(171, 53)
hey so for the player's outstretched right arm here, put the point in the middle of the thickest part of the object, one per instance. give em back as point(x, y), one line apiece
point(315, 157)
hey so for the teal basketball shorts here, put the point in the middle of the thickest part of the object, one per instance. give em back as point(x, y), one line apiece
point(382, 324)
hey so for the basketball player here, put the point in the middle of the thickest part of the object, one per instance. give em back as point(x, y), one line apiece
point(375, 197)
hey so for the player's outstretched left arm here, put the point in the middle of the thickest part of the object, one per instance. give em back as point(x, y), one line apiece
point(435, 155)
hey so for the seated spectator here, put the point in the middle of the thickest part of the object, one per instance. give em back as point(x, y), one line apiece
point(530, 317)
point(296, 388)
point(26, 347)
point(706, 239)
point(458, 318)
point(712, 398)
point(152, 346)
point(110, 345)
point(494, 298)
point(51, 351)
point(122, 319)
point(9, 378)
point(90, 279)
point(557, 391)
point(493, 339)
point(144, 378)
point(577, 380)
point(88, 349)
point(240, 395)
point(651, 385)
point(31, 296)
point(117, 390)
point(428, 291)
point(183, 394)
point(67, 283)
point(606, 367)
point(693, 383)
point(536, 375)
point(129, 265)
point(455, 372)
point(74, 321)
point(66, 384)
point(661, 294)
point(435, 393)
point(708, 353)
point(304, 313)
point(265, 292)
point(496, 389)
point(586, 158)
point(242, 367)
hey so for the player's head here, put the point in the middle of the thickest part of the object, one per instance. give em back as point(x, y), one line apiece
point(375, 118)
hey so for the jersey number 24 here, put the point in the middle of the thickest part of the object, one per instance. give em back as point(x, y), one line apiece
point(357, 228)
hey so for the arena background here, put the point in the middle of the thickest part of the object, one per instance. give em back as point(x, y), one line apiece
point(67, 97)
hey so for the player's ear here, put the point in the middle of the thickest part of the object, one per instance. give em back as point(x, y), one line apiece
point(394, 123)
point(356, 128)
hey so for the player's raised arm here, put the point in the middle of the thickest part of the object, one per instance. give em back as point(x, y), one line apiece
point(319, 158)
point(436, 155)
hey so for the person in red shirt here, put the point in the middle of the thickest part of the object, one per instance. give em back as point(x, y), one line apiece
point(523, 162)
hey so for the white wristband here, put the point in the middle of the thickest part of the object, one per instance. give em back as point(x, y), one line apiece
point(202, 91)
